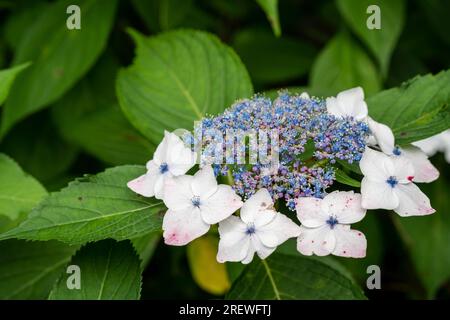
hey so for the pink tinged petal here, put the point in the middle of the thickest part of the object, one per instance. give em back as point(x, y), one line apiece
point(204, 183)
point(383, 135)
point(374, 165)
point(260, 201)
point(277, 231)
point(262, 250)
point(182, 226)
point(220, 205)
point(309, 212)
point(424, 171)
point(345, 206)
point(412, 201)
point(349, 243)
point(178, 193)
point(319, 241)
point(378, 195)
point(145, 184)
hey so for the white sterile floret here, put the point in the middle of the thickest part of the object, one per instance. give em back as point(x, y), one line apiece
point(437, 143)
point(195, 203)
point(350, 103)
point(326, 223)
point(388, 184)
point(171, 158)
point(259, 229)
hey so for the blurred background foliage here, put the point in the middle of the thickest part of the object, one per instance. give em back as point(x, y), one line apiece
point(67, 122)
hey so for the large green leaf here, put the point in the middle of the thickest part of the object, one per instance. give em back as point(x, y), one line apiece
point(145, 246)
point(270, 59)
point(35, 145)
point(109, 270)
point(342, 65)
point(19, 192)
point(270, 7)
point(28, 270)
point(417, 109)
point(89, 116)
point(93, 208)
point(428, 238)
point(178, 77)
point(60, 56)
point(284, 276)
point(7, 78)
point(380, 41)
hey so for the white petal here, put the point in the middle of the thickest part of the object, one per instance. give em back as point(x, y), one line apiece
point(180, 159)
point(204, 183)
point(235, 253)
point(430, 145)
point(277, 231)
point(309, 212)
point(262, 218)
point(349, 243)
point(377, 195)
point(146, 184)
point(260, 201)
point(383, 135)
point(304, 95)
point(220, 205)
point(345, 205)
point(334, 108)
point(250, 253)
point(373, 165)
point(232, 230)
point(182, 226)
point(319, 241)
point(178, 193)
point(412, 201)
point(348, 103)
point(262, 250)
point(424, 171)
point(401, 168)
point(160, 155)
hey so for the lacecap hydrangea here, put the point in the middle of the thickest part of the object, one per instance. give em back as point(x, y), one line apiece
point(309, 142)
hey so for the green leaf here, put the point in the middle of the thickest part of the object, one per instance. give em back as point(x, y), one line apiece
point(270, 7)
point(39, 151)
point(344, 178)
point(177, 78)
point(7, 78)
point(270, 59)
point(145, 246)
point(284, 276)
point(18, 21)
point(209, 274)
point(90, 117)
point(19, 192)
point(417, 109)
point(60, 56)
point(109, 270)
point(28, 270)
point(91, 209)
point(382, 41)
point(427, 238)
point(342, 65)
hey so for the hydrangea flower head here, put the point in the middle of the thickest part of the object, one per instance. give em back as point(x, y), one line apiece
point(309, 141)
